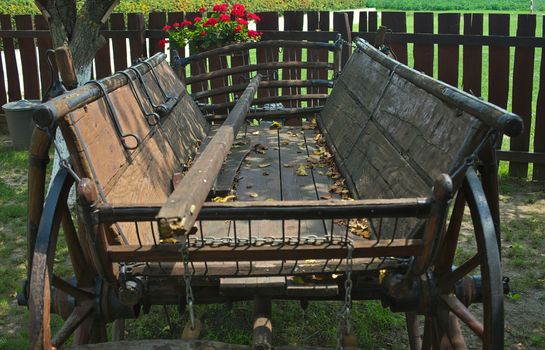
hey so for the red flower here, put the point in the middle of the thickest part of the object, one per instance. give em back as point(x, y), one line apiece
point(238, 10)
point(211, 22)
point(162, 43)
point(202, 9)
point(253, 34)
point(203, 33)
point(186, 23)
point(167, 28)
point(176, 24)
point(197, 19)
point(237, 29)
point(225, 18)
point(252, 16)
point(242, 21)
point(220, 8)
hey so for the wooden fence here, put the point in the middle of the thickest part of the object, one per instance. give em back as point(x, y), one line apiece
point(446, 35)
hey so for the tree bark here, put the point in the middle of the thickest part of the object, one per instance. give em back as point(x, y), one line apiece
point(79, 30)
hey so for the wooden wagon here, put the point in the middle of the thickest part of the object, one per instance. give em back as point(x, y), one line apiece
point(342, 185)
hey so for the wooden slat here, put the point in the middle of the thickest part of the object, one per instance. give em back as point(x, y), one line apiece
point(117, 22)
point(538, 158)
point(372, 18)
point(135, 21)
point(473, 55)
point(340, 25)
point(216, 63)
point(14, 88)
point(29, 60)
point(523, 77)
point(156, 20)
point(498, 66)
point(197, 67)
point(449, 23)
point(423, 54)
point(43, 45)
point(293, 20)
point(539, 132)
point(363, 25)
point(269, 21)
point(397, 22)
point(317, 21)
point(103, 65)
point(293, 154)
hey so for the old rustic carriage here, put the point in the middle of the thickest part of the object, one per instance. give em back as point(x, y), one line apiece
point(291, 137)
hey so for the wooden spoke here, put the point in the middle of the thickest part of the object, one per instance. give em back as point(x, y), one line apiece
point(77, 293)
point(415, 340)
point(455, 333)
point(447, 282)
point(428, 333)
point(460, 310)
point(80, 313)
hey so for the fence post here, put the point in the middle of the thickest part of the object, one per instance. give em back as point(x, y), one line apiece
point(397, 22)
point(523, 77)
point(473, 55)
point(14, 88)
point(449, 23)
point(424, 54)
point(342, 23)
point(137, 41)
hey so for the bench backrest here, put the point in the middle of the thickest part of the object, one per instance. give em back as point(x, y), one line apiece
point(141, 175)
point(392, 131)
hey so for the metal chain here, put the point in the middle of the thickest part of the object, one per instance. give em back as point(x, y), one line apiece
point(343, 316)
point(187, 280)
point(269, 241)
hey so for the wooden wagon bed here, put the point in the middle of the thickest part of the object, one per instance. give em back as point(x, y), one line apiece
point(185, 196)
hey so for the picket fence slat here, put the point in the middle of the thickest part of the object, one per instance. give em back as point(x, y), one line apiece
point(473, 55)
point(423, 53)
point(397, 22)
point(523, 76)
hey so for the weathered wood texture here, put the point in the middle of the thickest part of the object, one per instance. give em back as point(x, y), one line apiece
point(136, 175)
point(406, 136)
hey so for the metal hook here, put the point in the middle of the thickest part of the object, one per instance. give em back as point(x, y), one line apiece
point(152, 118)
point(113, 115)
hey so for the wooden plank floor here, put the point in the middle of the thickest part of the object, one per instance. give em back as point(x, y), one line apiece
point(269, 172)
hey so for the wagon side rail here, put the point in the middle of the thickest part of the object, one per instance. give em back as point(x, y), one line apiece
point(297, 76)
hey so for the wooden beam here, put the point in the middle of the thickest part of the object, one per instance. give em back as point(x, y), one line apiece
point(179, 213)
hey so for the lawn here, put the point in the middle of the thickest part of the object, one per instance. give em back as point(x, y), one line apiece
point(523, 224)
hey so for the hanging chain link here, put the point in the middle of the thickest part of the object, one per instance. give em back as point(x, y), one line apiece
point(187, 280)
point(343, 316)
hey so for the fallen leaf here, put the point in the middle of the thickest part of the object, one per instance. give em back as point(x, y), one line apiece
point(265, 173)
point(285, 143)
point(259, 148)
point(255, 133)
point(169, 240)
point(275, 125)
point(326, 196)
point(264, 165)
point(255, 122)
point(287, 165)
point(225, 199)
point(301, 171)
point(252, 194)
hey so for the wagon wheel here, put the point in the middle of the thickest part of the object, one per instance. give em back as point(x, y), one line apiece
point(80, 319)
point(448, 310)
